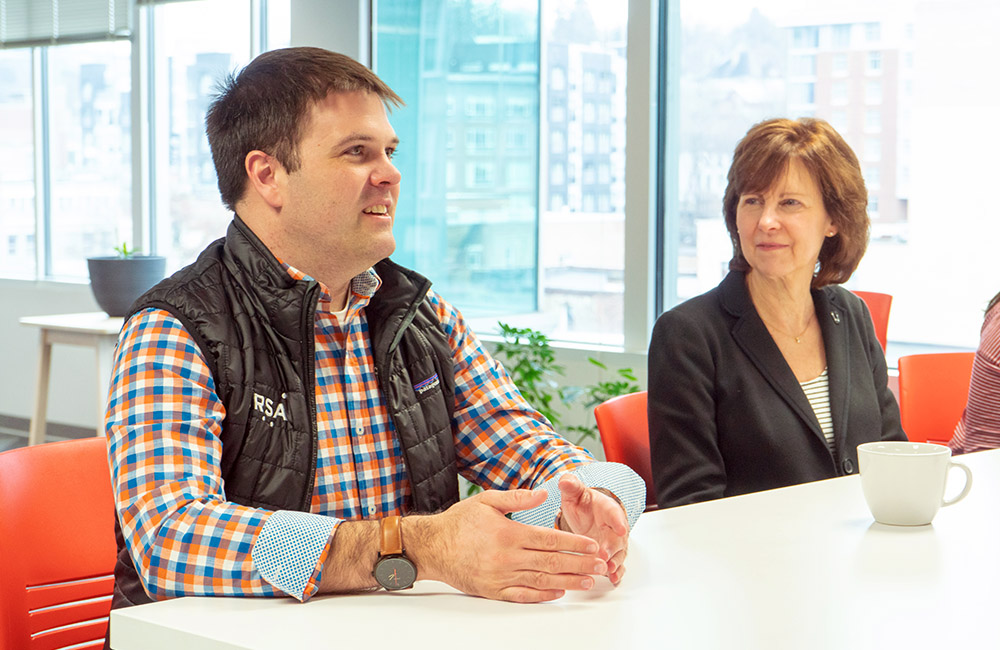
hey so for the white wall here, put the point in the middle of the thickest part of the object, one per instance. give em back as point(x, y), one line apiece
point(339, 25)
point(74, 371)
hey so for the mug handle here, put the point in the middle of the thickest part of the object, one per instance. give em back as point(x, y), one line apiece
point(968, 483)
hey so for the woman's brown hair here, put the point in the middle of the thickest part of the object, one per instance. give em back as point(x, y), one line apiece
point(762, 157)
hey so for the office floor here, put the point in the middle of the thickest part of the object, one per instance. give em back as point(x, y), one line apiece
point(11, 441)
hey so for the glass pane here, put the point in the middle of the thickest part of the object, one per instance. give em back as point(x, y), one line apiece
point(925, 137)
point(582, 237)
point(513, 170)
point(191, 54)
point(17, 177)
point(463, 218)
point(90, 150)
point(279, 23)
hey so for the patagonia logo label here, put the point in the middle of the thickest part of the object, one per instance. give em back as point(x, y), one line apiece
point(427, 384)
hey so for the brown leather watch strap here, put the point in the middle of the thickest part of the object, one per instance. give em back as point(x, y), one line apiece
point(391, 536)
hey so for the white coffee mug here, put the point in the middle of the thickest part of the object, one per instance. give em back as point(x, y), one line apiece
point(904, 482)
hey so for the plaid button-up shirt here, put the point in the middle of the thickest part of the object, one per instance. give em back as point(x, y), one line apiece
point(164, 419)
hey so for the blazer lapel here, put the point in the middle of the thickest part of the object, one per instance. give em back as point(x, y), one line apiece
point(833, 321)
point(752, 337)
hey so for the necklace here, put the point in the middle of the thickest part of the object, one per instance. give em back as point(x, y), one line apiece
point(798, 339)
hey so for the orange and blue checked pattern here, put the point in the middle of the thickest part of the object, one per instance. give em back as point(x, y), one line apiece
point(164, 419)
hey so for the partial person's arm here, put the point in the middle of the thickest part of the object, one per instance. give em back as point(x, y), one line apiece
point(163, 423)
point(683, 437)
point(980, 425)
point(475, 548)
point(503, 443)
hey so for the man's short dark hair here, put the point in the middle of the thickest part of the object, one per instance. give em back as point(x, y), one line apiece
point(264, 108)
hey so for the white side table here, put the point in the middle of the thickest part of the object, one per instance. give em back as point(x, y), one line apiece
point(94, 329)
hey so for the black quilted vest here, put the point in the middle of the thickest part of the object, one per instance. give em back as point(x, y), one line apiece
point(254, 325)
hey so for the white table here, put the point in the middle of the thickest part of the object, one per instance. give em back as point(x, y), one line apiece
point(96, 330)
point(803, 567)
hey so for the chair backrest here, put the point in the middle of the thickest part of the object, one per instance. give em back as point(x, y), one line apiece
point(878, 305)
point(57, 545)
point(624, 428)
point(933, 391)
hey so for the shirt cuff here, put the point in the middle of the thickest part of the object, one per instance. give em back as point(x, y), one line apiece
point(290, 550)
point(619, 479)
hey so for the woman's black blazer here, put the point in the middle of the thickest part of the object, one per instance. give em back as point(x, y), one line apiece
point(727, 415)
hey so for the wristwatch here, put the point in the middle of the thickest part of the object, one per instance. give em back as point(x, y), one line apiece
point(393, 570)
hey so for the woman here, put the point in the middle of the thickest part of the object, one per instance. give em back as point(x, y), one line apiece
point(979, 427)
point(775, 376)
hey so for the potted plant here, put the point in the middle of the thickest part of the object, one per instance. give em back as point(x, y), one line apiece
point(117, 280)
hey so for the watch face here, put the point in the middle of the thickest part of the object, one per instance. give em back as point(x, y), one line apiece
point(395, 572)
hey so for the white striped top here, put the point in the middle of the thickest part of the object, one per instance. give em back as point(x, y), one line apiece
point(818, 393)
point(979, 427)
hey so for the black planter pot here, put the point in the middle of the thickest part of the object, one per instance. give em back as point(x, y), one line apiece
point(118, 281)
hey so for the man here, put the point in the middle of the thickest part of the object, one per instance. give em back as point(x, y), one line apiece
point(277, 405)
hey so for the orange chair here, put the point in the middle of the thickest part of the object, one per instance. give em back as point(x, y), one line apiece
point(624, 428)
point(57, 545)
point(933, 391)
point(878, 305)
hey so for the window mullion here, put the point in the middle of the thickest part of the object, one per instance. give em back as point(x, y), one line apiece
point(640, 167)
point(258, 28)
point(144, 189)
point(42, 162)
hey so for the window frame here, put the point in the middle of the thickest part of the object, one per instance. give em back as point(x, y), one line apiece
point(642, 301)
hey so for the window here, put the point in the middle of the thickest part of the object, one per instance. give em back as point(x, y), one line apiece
point(574, 96)
point(519, 174)
point(518, 139)
point(838, 63)
point(604, 143)
point(873, 177)
point(89, 153)
point(874, 62)
point(479, 174)
point(872, 149)
point(479, 106)
point(838, 120)
point(873, 92)
point(805, 37)
point(910, 188)
point(17, 177)
point(873, 119)
point(519, 107)
point(478, 139)
point(85, 202)
point(557, 78)
point(557, 142)
point(803, 65)
point(838, 92)
point(841, 37)
point(802, 93)
point(557, 175)
point(191, 56)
